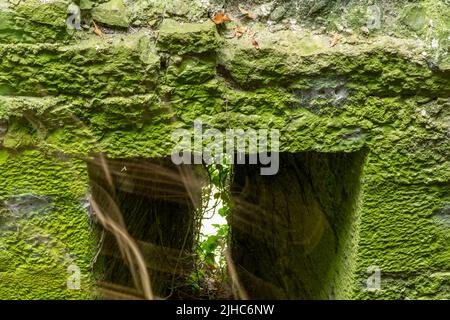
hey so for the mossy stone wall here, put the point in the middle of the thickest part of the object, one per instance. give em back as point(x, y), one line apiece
point(65, 94)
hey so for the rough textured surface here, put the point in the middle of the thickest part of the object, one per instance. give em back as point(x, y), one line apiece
point(113, 13)
point(44, 228)
point(53, 12)
point(385, 88)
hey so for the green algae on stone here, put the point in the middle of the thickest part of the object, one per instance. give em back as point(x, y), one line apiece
point(18, 136)
point(112, 13)
point(398, 235)
point(120, 96)
point(191, 70)
point(93, 67)
point(17, 29)
point(86, 4)
point(182, 38)
point(52, 12)
point(52, 236)
point(143, 12)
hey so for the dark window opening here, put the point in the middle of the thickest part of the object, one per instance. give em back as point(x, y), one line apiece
point(293, 234)
point(155, 202)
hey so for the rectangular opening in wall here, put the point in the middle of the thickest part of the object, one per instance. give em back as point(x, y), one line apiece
point(293, 234)
point(147, 209)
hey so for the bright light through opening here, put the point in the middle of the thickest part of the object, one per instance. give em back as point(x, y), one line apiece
point(212, 220)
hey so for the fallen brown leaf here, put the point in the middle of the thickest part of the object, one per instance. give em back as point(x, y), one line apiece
point(247, 13)
point(97, 30)
point(334, 40)
point(239, 31)
point(221, 18)
point(251, 33)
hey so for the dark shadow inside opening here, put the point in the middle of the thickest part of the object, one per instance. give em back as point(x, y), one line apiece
point(293, 233)
point(155, 202)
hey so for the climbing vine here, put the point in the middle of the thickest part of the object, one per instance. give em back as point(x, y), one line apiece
point(210, 278)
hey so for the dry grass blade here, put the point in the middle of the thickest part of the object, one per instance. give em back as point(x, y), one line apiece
point(97, 29)
point(255, 44)
point(129, 249)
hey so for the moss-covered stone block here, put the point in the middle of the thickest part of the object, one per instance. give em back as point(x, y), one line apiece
point(143, 12)
point(112, 13)
point(86, 4)
point(18, 136)
point(191, 70)
point(53, 12)
point(384, 90)
point(182, 38)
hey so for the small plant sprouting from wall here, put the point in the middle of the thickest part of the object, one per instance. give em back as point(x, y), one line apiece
point(210, 278)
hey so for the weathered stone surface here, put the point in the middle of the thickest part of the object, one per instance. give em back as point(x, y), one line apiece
point(38, 196)
point(52, 12)
point(152, 12)
point(125, 94)
point(86, 4)
point(113, 13)
point(15, 28)
point(182, 38)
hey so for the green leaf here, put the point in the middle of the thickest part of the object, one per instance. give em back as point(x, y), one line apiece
point(223, 212)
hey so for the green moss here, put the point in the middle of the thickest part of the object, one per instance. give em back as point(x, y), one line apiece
point(398, 235)
point(3, 156)
point(182, 38)
point(16, 29)
point(190, 70)
point(384, 65)
point(91, 68)
point(47, 12)
point(415, 18)
point(18, 106)
point(143, 12)
point(113, 13)
point(18, 136)
point(43, 240)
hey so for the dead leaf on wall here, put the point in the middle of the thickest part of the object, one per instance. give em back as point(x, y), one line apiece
point(221, 18)
point(334, 40)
